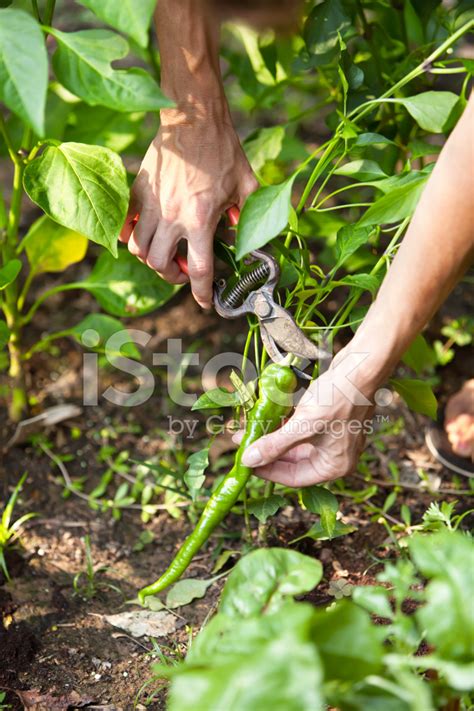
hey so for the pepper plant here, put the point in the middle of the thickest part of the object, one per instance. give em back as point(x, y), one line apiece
point(358, 190)
point(65, 112)
point(301, 658)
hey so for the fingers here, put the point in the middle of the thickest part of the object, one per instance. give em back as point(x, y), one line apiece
point(162, 251)
point(131, 220)
point(294, 474)
point(273, 446)
point(142, 234)
point(201, 267)
point(307, 465)
point(249, 185)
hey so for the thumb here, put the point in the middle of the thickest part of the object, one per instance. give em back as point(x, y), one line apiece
point(271, 447)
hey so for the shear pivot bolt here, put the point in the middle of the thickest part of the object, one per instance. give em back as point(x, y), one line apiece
point(263, 308)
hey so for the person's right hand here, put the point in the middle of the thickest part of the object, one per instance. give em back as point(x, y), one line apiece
point(193, 171)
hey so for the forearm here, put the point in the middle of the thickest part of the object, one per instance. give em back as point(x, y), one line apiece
point(188, 37)
point(433, 256)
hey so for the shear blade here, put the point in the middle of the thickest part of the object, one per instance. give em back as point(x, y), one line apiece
point(289, 337)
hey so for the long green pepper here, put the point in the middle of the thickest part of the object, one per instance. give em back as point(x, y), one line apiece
point(276, 387)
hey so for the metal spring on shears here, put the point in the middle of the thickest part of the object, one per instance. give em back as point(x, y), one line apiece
point(240, 290)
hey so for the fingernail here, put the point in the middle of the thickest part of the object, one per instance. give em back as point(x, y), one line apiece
point(252, 457)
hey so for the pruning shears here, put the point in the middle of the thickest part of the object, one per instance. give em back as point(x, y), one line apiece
point(280, 333)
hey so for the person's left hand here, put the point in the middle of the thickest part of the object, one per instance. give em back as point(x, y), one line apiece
point(320, 442)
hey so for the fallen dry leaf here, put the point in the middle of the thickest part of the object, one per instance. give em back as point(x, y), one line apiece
point(141, 623)
point(50, 417)
point(34, 700)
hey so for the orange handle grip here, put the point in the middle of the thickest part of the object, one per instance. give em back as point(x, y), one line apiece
point(182, 263)
point(233, 214)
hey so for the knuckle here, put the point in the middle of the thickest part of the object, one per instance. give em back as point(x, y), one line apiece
point(200, 269)
point(269, 447)
point(134, 249)
point(156, 262)
point(250, 185)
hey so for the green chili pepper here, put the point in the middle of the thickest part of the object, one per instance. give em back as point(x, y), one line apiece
point(276, 386)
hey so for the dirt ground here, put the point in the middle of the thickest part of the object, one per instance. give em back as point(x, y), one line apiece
point(58, 650)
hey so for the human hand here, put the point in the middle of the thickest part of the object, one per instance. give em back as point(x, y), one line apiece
point(459, 420)
point(326, 434)
point(192, 172)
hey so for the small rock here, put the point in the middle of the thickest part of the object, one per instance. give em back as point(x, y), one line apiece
point(326, 555)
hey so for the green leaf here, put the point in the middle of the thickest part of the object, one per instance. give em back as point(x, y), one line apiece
point(264, 145)
point(349, 644)
point(320, 500)
point(95, 330)
point(317, 533)
point(264, 215)
point(81, 187)
point(396, 205)
point(51, 247)
point(215, 398)
point(372, 139)
point(368, 282)
point(420, 357)
point(413, 25)
point(9, 273)
point(431, 110)
point(194, 476)
point(361, 170)
point(245, 665)
point(374, 599)
point(4, 334)
point(82, 62)
point(127, 16)
point(447, 560)
point(324, 25)
point(23, 67)
point(265, 507)
point(417, 394)
point(262, 579)
point(421, 149)
point(103, 127)
point(459, 676)
point(349, 239)
point(265, 72)
point(185, 591)
point(126, 287)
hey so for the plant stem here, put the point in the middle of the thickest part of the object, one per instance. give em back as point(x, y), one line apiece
point(44, 342)
point(25, 290)
point(36, 11)
point(18, 400)
point(3, 220)
point(263, 527)
point(50, 292)
point(49, 12)
point(14, 157)
point(248, 527)
point(368, 106)
point(376, 268)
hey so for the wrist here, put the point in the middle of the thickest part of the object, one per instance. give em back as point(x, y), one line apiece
point(191, 110)
point(375, 349)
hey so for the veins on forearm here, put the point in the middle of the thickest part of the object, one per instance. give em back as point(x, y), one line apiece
point(188, 36)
